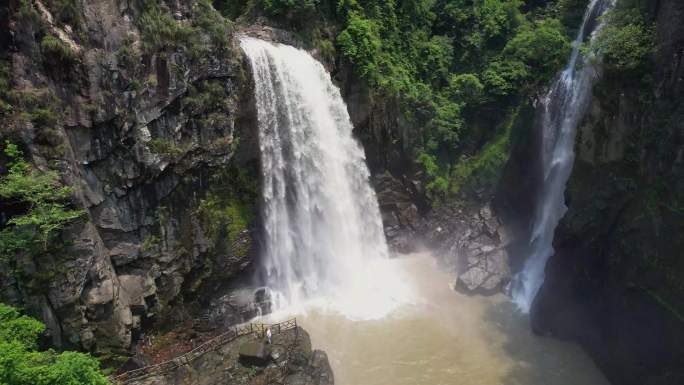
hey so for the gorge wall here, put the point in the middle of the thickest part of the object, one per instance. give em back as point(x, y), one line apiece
point(615, 281)
point(144, 111)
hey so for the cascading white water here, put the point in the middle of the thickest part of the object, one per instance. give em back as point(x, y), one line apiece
point(563, 107)
point(324, 240)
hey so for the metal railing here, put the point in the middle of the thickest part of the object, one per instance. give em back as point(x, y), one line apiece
point(211, 345)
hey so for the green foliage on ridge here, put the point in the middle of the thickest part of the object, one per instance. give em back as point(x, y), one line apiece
point(206, 30)
point(21, 363)
point(454, 68)
point(444, 59)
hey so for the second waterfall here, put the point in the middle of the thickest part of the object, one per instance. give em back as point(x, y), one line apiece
point(324, 241)
point(562, 110)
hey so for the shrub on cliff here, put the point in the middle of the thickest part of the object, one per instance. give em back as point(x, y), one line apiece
point(40, 204)
point(21, 363)
point(627, 41)
point(531, 58)
point(54, 48)
point(360, 43)
point(205, 31)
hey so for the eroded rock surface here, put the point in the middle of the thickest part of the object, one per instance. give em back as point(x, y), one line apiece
point(148, 138)
point(473, 244)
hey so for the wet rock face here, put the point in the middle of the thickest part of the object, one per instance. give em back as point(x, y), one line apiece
point(144, 138)
point(614, 282)
point(399, 211)
point(471, 242)
point(474, 247)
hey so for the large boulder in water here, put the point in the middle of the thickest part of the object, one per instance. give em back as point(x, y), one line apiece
point(473, 243)
point(487, 275)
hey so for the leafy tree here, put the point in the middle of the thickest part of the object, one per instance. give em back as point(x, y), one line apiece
point(437, 54)
point(22, 364)
point(543, 47)
point(17, 328)
point(530, 58)
point(504, 77)
point(360, 43)
point(45, 200)
point(628, 40)
point(465, 87)
point(446, 126)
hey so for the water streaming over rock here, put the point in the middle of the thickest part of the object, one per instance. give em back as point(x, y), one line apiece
point(324, 240)
point(563, 107)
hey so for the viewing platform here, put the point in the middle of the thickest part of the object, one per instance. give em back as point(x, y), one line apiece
point(255, 329)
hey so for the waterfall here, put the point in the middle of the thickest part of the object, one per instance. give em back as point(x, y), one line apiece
point(562, 109)
point(324, 239)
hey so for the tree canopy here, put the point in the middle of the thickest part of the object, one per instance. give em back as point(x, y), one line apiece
point(21, 363)
point(43, 202)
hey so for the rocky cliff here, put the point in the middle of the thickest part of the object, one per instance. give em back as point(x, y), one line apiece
point(615, 281)
point(144, 111)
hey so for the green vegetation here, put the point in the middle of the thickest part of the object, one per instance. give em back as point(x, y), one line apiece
point(480, 171)
point(150, 243)
point(5, 104)
point(229, 211)
point(166, 147)
point(529, 60)
point(26, 12)
point(277, 7)
point(233, 215)
point(483, 168)
point(232, 9)
point(206, 95)
point(66, 12)
point(37, 107)
point(54, 48)
point(126, 55)
point(42, 108)
point(41, 202)
point(161, 32)
point(628, 41)
point(21, 363)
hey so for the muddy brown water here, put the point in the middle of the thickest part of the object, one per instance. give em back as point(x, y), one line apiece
point(444, 338)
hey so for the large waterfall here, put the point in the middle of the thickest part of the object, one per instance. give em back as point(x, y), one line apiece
point(323, 232)
point(563, 107)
